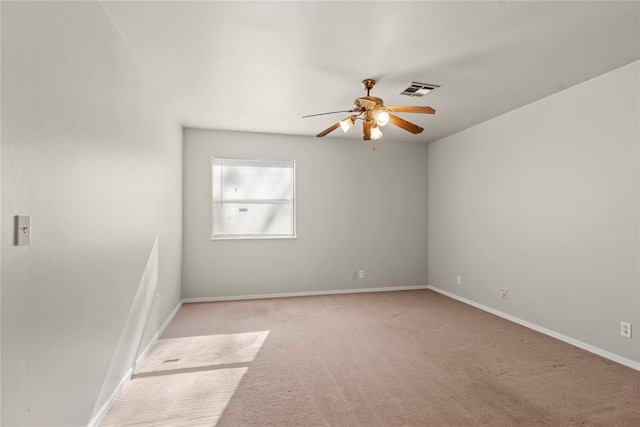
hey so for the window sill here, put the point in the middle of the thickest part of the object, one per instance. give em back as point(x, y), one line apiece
point(294, 237)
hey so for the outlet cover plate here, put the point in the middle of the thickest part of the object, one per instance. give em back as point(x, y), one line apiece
point(625, 329)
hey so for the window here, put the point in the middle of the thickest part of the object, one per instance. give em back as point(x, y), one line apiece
point(253, 199)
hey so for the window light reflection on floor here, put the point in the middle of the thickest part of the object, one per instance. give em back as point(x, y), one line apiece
point(190, 379)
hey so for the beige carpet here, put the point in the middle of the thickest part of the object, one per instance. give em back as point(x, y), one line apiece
point(180, 399)
point(186, 381)
point(171, 355)
point(400, 358)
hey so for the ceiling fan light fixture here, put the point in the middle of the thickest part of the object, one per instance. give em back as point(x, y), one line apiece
point(374, 114)
point(381, 117)
point(347, 123)
point(376, 133)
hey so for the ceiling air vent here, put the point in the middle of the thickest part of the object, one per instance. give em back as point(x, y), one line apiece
point(418, 89)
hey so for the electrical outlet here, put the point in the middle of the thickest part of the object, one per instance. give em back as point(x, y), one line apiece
point(361, 274)
point(505, 293)
point(625, 329)
point(459, 280)
point(354, 275)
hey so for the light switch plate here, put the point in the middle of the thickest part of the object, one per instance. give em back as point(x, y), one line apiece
point(22, 231)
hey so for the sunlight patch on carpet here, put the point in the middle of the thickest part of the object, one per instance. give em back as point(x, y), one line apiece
point(202, 351)
point(193, 398)
point(164, 392)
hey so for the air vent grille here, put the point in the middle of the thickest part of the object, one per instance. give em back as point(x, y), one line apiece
point(418, 89)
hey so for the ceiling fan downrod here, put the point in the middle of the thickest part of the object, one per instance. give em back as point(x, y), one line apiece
point(368, 84)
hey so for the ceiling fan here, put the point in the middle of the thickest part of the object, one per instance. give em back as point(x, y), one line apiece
point(374, 114)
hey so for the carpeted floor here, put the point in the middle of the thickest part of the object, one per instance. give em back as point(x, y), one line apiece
point(376, 359)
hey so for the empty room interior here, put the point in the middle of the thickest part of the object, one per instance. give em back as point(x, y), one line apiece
point(320, 213)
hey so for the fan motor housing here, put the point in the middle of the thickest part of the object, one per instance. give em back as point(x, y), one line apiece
point(368, 102)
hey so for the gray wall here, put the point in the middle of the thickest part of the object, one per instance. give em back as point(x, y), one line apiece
point(356, 209)
point(89, 152)
point(544, 201)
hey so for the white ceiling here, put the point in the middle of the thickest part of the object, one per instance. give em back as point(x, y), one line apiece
point(260, 66)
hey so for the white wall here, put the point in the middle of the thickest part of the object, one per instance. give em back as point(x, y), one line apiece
point(0, 227)
point(356, 209)
point(90, 153)
point(544, 201)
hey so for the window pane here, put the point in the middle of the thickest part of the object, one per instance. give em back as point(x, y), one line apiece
point(253, 180)
point(256, 219)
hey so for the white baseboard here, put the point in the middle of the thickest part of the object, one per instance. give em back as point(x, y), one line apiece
point(302, 294)
point(105, 408)
point(595, 350)
point(156, 337)
point(107, 405)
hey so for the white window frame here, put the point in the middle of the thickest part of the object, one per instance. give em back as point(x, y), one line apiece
point(253, 236)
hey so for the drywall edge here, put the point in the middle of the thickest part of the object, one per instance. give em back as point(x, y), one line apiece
point(95, 422)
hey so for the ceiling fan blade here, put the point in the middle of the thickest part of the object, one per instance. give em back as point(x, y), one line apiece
point(410, 109)
point(366, 130)
point(328, 130)
point(408, 126)
point(330, 112)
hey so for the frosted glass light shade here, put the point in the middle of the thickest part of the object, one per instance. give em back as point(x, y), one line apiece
point(376, 133)
point(382, 118)
point(346, 124)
